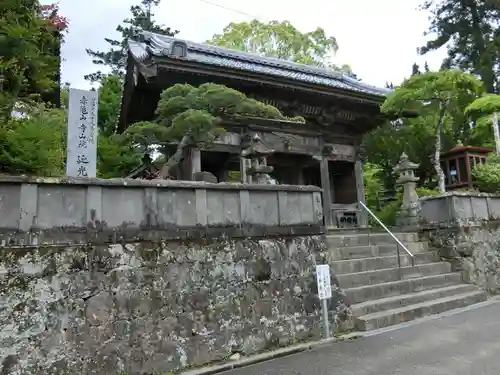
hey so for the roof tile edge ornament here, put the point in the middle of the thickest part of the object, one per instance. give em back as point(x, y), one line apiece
point(152, 44)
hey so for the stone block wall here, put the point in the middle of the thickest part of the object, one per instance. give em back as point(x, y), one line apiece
point(465, 228)
point(151, 308)
point(459, 208)
point(82, 210)
point(144, 277)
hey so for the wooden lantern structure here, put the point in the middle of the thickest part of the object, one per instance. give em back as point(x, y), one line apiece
point(458, 163)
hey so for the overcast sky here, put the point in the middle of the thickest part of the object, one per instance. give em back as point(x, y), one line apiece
point(378, 39)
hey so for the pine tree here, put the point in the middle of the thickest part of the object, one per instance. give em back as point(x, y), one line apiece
point(116, 57)
point(469, 29)
point(415, 69)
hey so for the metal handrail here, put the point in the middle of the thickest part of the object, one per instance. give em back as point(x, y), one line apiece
point(398, 242)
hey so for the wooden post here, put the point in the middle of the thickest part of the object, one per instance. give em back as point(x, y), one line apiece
point(300, 175)
point(496, 133)
point(469, 170)
point(327, 198)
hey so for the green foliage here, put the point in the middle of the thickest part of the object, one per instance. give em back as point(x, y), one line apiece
point(469, 29)
point(415, 137)
point(280, 40)
point(420, 91)
point(193, 113)
point(115, 159)
point(33, 145)
point(439, 99)
point(110, 95)
point(373, 184)
point(116, 57)
point(488, 175)
point(480, 112)
point(145, 134)
point(388, 213)
point(485, 105)
point(373, 188)
point(425, 192)
point(26, 67)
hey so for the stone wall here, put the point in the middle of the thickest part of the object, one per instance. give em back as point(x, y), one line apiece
point(459, 208)
point(465, 228)
point(83, 210)
point(150, 308)
point(104, 277)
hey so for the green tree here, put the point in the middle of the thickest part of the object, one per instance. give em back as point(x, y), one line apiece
point(110, 95)
point(480, 111)
point(116, 159)
point(34, 144)
point(191, 116)
point(27, 68)
point(116, 57)
point(443, 92)
point(415, 137)
point(470, 31)
point(281, 40)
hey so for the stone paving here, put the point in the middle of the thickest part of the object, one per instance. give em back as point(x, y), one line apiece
point(462, 343)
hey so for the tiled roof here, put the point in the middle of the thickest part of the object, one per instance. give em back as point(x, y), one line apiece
point(160, 46)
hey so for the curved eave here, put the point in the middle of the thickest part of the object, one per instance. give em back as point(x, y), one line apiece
point(189, 66)
point(157, 45)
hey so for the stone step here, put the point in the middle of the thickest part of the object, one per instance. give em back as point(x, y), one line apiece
point(340, 267)
point(413, 247)
point(418, 310)
point(364, 239)
point(394, 302)
point(352, 280)
point(395, 288)
point(353, 252)
point(370, 251)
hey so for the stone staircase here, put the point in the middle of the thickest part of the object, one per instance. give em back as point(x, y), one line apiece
point(382, 295)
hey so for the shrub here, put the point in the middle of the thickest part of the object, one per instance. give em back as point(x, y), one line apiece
point(488, 175)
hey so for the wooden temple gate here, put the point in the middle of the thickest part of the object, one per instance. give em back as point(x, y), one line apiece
point(324, 151)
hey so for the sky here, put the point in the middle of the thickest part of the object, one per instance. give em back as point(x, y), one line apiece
point(378, 39)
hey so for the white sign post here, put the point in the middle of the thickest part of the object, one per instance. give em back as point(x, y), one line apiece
point(324, 292)
point(82, 133)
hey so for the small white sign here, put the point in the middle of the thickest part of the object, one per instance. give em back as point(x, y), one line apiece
point(82, 133)
point(323, 280)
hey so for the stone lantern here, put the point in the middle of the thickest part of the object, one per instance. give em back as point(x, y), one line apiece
point(255, 150)
point(410, 208)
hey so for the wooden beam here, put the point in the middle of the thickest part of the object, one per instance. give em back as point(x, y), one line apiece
point(360, 193)
point(169, 65)
point(327, 198)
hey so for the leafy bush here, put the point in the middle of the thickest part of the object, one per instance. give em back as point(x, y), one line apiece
point(373, 184)
point(424, 192)
point(488, 175)
point(34, 144)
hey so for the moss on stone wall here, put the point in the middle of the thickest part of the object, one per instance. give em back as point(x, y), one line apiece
point(156, 307)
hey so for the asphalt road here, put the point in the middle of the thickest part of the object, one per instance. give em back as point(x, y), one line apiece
point(466, 343)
